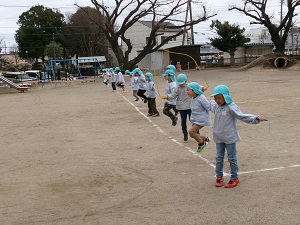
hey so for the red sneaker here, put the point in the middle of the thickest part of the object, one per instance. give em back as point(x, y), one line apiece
point(219, 182)
point(232, 183)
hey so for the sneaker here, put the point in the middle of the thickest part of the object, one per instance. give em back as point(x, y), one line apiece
point(232, 183)
point(155, 114)
point(185, 137)
point(174, 122)
point(207, 139)
point(201, 147)
point(150, 114)
point(219, 182)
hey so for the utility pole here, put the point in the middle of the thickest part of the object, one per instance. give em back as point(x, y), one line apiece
point(188, 11)
point(281, 5)
point(185, 32)
point(191, 19)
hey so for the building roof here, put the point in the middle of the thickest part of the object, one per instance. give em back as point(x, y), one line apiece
point(163, 27)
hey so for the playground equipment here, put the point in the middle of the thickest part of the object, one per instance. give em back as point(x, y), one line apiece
point(74, 66)
point(13, 85)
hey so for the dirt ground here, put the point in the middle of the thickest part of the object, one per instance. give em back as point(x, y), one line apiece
point(82, 154)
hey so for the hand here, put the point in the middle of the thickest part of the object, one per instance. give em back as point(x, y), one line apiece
point(204, 88)
point(164, 97)
point(261, 118)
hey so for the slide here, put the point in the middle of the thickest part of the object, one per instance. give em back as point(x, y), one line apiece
point(12, 84)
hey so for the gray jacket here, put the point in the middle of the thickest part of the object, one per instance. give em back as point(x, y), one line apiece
point(200, 111)
point(225, 122)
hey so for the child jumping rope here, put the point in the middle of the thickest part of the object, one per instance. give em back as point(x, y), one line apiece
point(113, 79)
point(225, 132)
point(169, 76)
point(141, 84)
point(200, 116)
point(183, 102)
point(151, 95)
point(133, 84)
point(121, 81)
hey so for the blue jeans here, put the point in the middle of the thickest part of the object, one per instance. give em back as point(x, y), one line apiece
point(231, 153)
point(183, 115)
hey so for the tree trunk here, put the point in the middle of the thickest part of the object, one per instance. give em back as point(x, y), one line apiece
point(232, 60)
point(279, 45)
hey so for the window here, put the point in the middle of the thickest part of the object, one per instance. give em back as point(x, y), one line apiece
point(147, 40)
point(164, 37)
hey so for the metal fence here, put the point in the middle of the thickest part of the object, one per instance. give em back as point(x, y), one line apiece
point(219, 62)
point(227, 62)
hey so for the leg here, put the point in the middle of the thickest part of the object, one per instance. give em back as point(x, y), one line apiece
point(113, 85)
point(166, 111)
point(220, 151)
point(149, 108)
point(175, 110)
point(153, 105)
point(231, 152)
point(139, 93)
point(154, 109)
point(134, 93)
point(183, 116)
point(193, 133)
point(144, 96)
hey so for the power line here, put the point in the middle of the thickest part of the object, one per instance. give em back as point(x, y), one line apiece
point(29, 6)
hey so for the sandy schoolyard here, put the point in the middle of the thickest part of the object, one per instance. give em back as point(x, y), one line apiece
point(84, 155)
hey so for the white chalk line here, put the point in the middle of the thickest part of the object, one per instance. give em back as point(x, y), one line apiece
point(199, 155)
point(270, 169)
point(169, 137)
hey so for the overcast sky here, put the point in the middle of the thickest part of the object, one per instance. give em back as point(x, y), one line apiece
point(10, 11)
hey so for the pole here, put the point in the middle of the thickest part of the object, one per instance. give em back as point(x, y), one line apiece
point(281, 5)
point(186, 16)
point(191, 19)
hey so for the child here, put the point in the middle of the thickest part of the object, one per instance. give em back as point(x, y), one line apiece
point(141, 84)
point(170, 103)
point(106, 77)
point(113, 79)
point(133, 84)
point(200, 117)
point(151, 95)
point(225, 132)
point(121, 82)
point(173, 68)
point(183, 102)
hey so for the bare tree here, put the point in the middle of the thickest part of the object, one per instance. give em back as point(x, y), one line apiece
point(278, 30)
point(15, 52)
point(0, 44)
point(81, 36)
point(168, 14)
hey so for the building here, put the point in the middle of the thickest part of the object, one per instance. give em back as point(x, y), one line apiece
point(139, 34)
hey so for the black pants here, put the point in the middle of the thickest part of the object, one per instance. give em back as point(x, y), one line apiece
point(113, 85)
point(141, 93)
point(167, 112)
point(152, 106)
